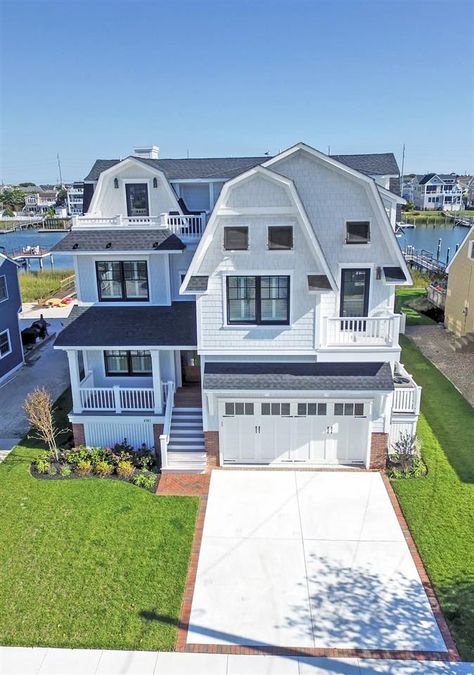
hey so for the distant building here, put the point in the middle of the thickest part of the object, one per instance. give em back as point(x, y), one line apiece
point(434, 191)
point(11, 351)
point(38, 201)
point(75, 198)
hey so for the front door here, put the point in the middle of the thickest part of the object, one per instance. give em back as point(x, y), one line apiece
point(190, 367)
point(355, 284)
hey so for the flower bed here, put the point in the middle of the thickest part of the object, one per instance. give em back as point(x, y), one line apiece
point(121, 462)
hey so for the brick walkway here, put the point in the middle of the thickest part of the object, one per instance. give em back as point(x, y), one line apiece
point(184, 484)
point(434, 342)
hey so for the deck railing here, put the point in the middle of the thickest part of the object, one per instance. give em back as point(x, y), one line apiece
point(165, 436)
point(187, 226)
point(361, 331)
point(115, 399)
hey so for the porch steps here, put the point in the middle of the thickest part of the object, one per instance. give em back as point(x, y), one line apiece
point(186, 449)
point(463, 344)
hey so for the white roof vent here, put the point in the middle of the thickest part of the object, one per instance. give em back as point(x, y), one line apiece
point(147, 151)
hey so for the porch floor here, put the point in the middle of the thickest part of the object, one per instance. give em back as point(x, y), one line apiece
point(188, 396)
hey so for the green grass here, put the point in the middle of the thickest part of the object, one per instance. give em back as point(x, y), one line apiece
point(36, 286)
point(440, 508)
point(89, 562)
point(404, 295)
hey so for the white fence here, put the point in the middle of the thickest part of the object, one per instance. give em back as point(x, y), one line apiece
point(362, 330)
point(116, 399)
point(165, 436)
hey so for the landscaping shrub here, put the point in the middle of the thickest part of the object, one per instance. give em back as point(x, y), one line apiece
point(97, 455)
point(83, 467)
point(143, 458)
point(77, 455)
point(52, 470)
point(65, 471)
point(103, 468)
point(125, 469)
point(145, 479)
point(41, 465)
point(405, 460)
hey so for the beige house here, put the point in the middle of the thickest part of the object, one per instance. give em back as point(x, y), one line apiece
point(459, 310)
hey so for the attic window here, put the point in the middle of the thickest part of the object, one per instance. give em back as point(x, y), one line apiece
point(236, 238)
point(357, 232)
point(280, 238)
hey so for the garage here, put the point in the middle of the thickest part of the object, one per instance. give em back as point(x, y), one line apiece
point(316, 431)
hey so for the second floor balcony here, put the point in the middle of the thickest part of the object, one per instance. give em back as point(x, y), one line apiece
point(361, 331)
point(188, 227)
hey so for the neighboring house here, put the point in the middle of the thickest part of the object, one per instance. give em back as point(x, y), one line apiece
point(38, 201)
point(277, 305)
point(75, 197)
point(459, 306)
point(435, 192)
point(11, 350)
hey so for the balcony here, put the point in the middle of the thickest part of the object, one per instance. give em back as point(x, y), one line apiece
point(187, 227)
point(407, 394)
point(361, 331)
point(118, 400)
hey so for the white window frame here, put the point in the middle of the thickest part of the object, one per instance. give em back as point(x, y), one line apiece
point(253, 273)
point(129, 181)
point(4, 276)
point(7, 331)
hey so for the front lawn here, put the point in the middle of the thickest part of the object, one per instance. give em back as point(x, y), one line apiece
point(89, 562)
point(440, 508)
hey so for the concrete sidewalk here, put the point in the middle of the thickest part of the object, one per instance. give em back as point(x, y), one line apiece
point(40, 661)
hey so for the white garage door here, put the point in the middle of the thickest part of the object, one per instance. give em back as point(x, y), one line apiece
point(318, 432)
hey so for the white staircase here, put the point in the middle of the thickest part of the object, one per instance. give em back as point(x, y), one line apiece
point(186, 449)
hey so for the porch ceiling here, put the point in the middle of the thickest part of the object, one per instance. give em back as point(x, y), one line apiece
point(120, 327)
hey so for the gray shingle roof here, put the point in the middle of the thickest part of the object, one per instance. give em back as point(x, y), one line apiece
point(229, 167)
point(197, 284)
point(115, 327)
point(394, 275)
point(318, 282)
point(372, 164)
point(298, 376)
point(121, 240)
point(174, 169)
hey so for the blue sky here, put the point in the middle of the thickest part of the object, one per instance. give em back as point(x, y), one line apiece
point(92, 79)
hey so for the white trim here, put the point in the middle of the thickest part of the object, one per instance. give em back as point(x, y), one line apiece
point(213, 221)
point(10, 350)
point(7, 377)
point(124, 347)
point(388, 194)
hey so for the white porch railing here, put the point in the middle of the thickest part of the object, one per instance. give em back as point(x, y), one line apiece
point(186, 226)
point(361, 331)
point(115, 399)
point(165, 436)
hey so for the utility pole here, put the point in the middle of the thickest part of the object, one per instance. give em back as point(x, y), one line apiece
point(60, 172)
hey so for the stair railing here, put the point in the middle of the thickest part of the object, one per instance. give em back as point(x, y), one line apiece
point(165, 436)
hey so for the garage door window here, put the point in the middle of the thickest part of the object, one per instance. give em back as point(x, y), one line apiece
point(312, 409)
point(238, 408)
point(276, 409)
point(349, 409)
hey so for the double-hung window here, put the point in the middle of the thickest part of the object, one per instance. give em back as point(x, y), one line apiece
point(3, 288)
point(122, 362)
point(261, 300)
point(5, 346)
point(117, 280)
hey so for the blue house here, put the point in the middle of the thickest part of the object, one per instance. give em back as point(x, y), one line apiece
point(11, 351)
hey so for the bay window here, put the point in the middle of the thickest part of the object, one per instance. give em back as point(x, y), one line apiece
point(261, 300)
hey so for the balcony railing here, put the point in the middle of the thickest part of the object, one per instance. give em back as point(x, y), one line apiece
point(186, 226)
point(381, 331)
point(407, 394)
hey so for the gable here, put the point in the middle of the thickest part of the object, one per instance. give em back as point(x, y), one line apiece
point(258, 191)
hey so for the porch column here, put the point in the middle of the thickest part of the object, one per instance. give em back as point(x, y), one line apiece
point(73, 358)
point(157, 388)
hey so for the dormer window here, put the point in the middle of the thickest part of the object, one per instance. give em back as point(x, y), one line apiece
point(280, 238)
point(357, 232)
point(236, 238)
point(137, 199)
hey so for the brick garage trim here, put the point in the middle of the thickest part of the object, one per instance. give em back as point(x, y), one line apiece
point(79, 434)
point(211, 442)
point(378, 451)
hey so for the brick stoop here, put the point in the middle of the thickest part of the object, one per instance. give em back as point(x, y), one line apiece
point(378, 451)
point(183, 484)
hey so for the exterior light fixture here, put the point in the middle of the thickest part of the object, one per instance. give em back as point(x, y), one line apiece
point(156, 244)
point(109, 245)
point(116, 183)
point(76, 245)
point(155, 182)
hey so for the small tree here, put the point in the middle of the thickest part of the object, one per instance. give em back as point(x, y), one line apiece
point(406, 449)
point(38, 407)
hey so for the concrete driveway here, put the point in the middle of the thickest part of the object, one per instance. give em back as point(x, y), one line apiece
point(46, 367)
point(307, 559)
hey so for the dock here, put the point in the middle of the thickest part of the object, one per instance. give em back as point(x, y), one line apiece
point(425, 261)
point(464, 221)
point(30, 253)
